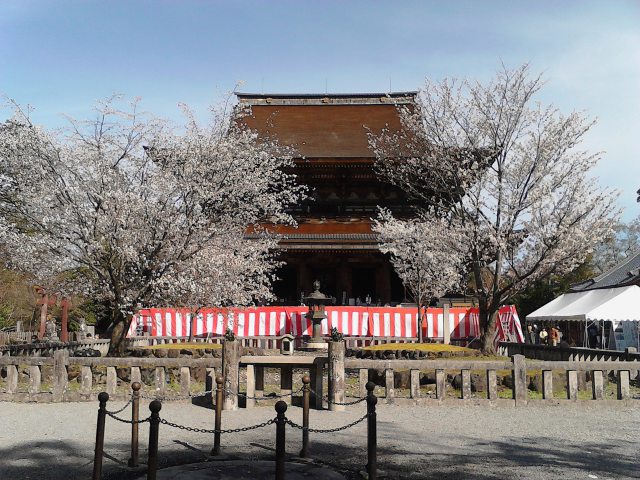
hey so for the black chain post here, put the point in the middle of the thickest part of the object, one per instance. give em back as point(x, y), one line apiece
point(372, 461)
point(154, 429)
point(103, 398)
point(135, 416)
point(218, 424)
point(281, 422)
point(306, 394)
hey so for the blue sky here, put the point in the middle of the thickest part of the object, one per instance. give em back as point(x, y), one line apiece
point(62, 56)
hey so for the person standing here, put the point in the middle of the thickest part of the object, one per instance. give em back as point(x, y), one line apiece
point(554, 336)
point(543, 336)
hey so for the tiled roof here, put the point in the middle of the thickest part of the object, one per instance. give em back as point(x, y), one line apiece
point(323, 126)
point(625, 273)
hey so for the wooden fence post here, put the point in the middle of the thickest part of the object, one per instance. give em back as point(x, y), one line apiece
point(60, 374)
point(336, 376)
point(231, 373)
point(519, 379)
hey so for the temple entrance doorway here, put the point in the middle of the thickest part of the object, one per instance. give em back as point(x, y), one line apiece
point(327, 278)
point(285, 288)
point(364, 284)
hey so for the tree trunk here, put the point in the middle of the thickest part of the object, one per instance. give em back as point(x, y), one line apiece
point(488, 319)
point(118, 333)
point(420, 322)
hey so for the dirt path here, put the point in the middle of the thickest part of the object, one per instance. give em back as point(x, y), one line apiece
point(56, 441)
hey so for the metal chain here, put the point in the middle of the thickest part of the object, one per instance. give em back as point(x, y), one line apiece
point(327, 430)
point(130, 422)
point(122, 409)
point(182, 397)
point(355, 402)
point(326, 397)
point(281, 395)
point(204, 430)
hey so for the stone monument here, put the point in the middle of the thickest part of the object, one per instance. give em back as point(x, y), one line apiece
point(81, 334)
point(316, 302)
point(50, 332)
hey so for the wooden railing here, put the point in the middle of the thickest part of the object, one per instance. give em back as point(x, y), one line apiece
point(47, 349)
point(547, 352)
point(518, 367)
point(271, 342)
point(46, 379)
point(7, 337)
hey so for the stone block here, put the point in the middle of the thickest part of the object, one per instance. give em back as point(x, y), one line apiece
point(86, 380)
point(402, 379)
point(160, 381)
point(414, 383)
point(441, 384)
point(112, 380)
point(35, 379)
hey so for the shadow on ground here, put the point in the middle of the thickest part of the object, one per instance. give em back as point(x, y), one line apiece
point(517, 457)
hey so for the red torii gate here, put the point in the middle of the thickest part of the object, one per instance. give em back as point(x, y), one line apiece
point(45, 301)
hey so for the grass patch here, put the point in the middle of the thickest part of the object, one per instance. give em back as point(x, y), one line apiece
point(422, 347)
point(182, 346)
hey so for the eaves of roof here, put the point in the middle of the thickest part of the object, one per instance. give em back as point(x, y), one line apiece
point(624, 273)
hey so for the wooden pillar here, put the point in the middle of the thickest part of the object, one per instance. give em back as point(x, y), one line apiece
point(64, 333)
point(43, 315)
point(446, 325)
point(231, 373)
point(336, 376)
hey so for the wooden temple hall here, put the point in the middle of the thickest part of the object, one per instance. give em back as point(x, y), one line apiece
point(333, 242)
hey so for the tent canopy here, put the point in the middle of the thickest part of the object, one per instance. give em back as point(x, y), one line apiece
point(615, 304)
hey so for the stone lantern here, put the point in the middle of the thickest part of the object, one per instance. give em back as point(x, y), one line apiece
point(316, 302)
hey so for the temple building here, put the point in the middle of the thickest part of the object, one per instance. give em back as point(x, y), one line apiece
point(333, 242)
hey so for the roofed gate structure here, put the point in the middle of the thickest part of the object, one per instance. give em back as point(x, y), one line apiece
point(334, 242)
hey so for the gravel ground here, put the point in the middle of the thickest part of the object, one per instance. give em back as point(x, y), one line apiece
point(56, 441)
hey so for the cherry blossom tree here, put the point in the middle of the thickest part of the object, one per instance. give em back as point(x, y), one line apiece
point(134, 211)
point(622, 243)
point(517, 186)
point(425, 254)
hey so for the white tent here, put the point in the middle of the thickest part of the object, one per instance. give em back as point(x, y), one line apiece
point(620, 306)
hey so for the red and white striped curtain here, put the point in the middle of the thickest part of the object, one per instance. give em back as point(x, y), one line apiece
point(350, 321)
